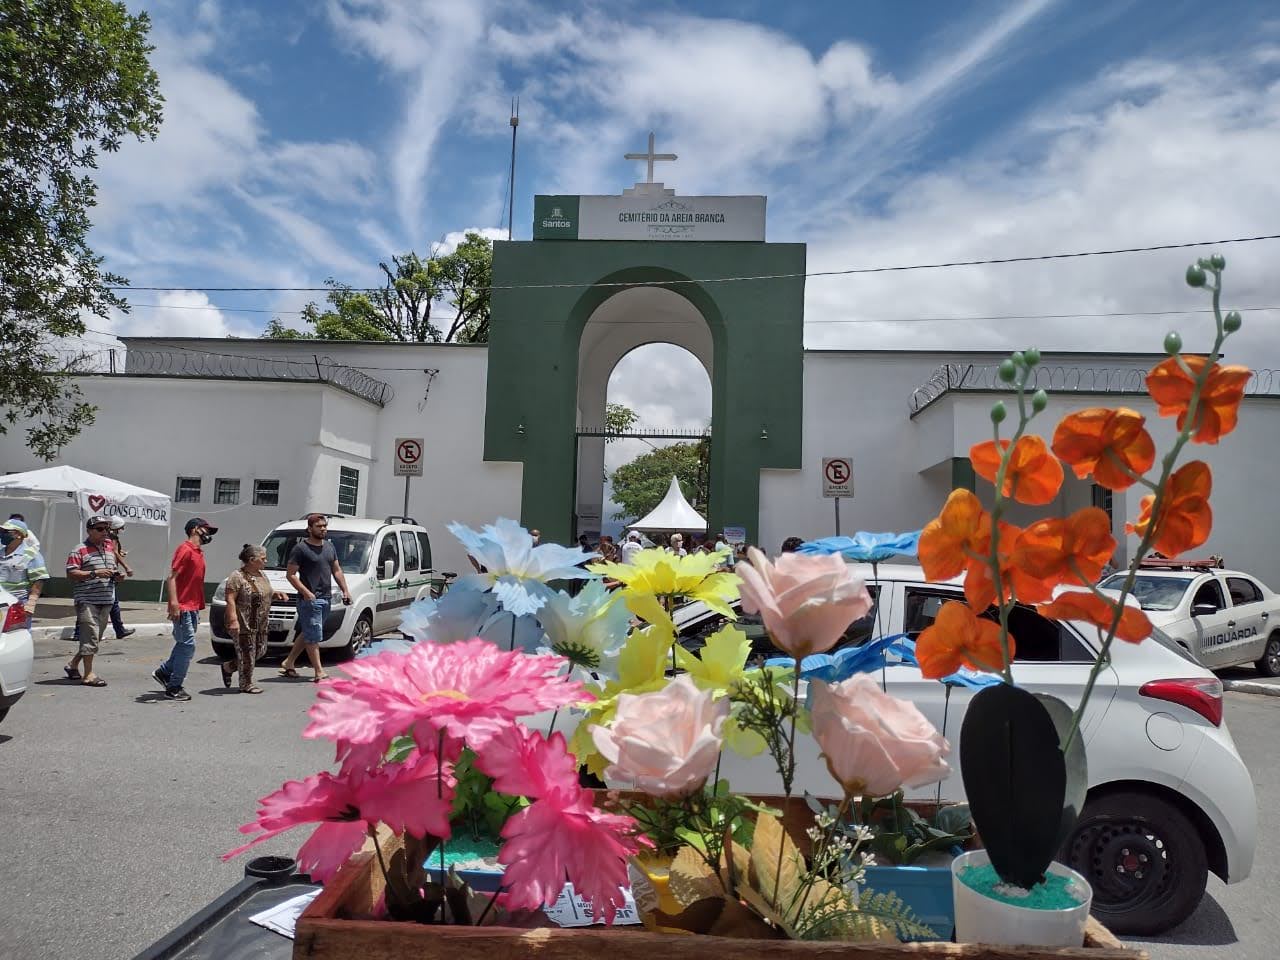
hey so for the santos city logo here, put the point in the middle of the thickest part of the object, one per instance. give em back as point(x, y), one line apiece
point(556, 220)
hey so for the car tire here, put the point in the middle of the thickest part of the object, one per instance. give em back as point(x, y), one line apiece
point(224, 651)
point(361, 636)
point(1144, 859)
point(1269, 664)
point(4, 712)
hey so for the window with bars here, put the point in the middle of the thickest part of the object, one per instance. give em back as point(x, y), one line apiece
point(348, 490)
point(266, 493)
point(1102, 499)
point(226, 490)
point(187, 491)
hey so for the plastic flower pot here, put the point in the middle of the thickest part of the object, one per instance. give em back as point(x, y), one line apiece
point(983, 919)
point(926, 890)
point(272, 869)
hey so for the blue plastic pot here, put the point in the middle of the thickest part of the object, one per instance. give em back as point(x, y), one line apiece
point(926, 890)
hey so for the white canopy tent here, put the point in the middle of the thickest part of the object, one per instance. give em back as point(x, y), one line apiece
point(90, 492)
point(673, 513)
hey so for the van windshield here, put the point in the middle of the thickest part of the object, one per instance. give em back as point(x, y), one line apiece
point(352, 548)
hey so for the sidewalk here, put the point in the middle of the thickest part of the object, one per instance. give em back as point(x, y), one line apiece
point(55, 618)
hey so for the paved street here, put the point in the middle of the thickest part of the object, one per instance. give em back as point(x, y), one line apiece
point(117, 804)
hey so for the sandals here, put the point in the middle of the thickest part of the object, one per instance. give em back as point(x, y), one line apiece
point(319, 676)
point(93, 682)
point(228, 674)
point(73, 673)
point(289, 672)
point(251, 689)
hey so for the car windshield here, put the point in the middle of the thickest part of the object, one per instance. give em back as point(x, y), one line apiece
point(352, 548)
point(1152, 593)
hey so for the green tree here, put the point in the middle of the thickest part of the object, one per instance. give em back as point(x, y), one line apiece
point(618, 418)
point(414, 303)
point(75, 79)
point(640, 485)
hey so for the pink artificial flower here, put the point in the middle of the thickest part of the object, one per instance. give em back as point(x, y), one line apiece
point(561, 835)
point(874, 743)
point(807, 602)
point(664, 743)
point(406, 797)
point(469, 690)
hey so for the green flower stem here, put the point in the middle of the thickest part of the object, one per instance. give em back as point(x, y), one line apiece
point(1129, 471)
point(373, 835)
point(1167, 465)
point(997, 511)
point(788, 776)
point(819, 852)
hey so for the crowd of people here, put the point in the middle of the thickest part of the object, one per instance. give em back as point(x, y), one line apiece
point(612, 551)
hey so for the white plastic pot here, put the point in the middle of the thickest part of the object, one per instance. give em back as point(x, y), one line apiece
point(980, 919)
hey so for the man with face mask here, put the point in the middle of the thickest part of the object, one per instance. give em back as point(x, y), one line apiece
point(22, 569)
point(185, 590)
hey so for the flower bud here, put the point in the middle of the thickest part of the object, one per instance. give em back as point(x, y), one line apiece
point(1195, 276)
point(1172, 343)
point(1008, 372)
point(1039, 400)
point(1218, 261)
point(998, 412)
point(1031, 355)
point(1019, 358)
point(1231, 322)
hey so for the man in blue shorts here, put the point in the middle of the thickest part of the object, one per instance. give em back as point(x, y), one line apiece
point(312, 568)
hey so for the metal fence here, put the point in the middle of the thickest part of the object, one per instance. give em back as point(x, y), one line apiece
point(1059, 379)
point(225, 366)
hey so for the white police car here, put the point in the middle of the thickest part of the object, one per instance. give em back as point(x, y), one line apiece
point(1223, 618)
point(17, 654)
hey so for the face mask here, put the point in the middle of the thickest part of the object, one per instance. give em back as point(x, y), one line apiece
point(5, 538)
point(206, 538)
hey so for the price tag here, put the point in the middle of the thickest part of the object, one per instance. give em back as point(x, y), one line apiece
point(570, 910)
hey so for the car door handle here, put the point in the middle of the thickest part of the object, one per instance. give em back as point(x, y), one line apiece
point(1231, 623)
point(1265, 615)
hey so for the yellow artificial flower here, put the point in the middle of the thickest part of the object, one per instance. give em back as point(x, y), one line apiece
point(719, 665)
point(657, 574)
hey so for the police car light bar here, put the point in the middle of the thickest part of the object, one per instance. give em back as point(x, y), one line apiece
point(1165, 563)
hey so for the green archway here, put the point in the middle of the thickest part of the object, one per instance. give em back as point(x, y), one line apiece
point(544, 293)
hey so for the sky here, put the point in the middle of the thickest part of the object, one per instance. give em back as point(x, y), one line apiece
point(309, 140)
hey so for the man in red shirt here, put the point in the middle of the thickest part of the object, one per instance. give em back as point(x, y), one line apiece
point(185, 590)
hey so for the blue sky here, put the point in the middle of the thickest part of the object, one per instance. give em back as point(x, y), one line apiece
point(309, 140)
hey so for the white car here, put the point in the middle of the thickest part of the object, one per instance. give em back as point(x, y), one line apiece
point(1223, 618)
point(17, 654)
point(1169, 797)
point(387, 565)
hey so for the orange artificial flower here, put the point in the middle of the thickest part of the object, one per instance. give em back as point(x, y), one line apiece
point(1170, 387)
point(1104, 442)
point(980, 586)
point(946, 541)
point(1054, 549)
point(1185, 516)
point(1091, 608)
point(1033, 476)
point(956, 638)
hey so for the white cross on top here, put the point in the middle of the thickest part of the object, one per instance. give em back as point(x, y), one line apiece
point(649, 157)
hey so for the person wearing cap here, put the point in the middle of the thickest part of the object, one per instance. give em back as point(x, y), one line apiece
point(92, 570)
point(185, 589)
point(22, 569)
point(117, 622)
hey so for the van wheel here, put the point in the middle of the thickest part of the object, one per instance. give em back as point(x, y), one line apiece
point(361, 636)
point(1144, 859)
point(1269, 665)
point(224, 651)
point(4, 712)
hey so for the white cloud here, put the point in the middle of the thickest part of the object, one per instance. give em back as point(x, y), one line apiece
point(449, 242)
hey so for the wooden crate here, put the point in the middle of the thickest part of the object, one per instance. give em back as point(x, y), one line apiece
point(331, 929)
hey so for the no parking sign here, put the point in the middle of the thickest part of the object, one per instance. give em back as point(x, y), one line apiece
point(408, 457)
point(837, 476)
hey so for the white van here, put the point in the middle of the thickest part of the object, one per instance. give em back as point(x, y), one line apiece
point(387, 564)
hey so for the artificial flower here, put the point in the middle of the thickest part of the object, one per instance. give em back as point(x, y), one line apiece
point(1087, 607)
point(665, 743)
point(516, 570)
point(466, 611)
point(844, 663)
point(865, 547)
point(1112, 445)
point(467, 690)
point(587, 630)
point(1171, 387)
point(561, 834)
point(947, 542)
point(1033, 475)
point(806, 602)
point(1186, 518)
point(656, 574)
point(1070, 550)
point(875, 744)
point(1015, 582)
point(720, 663)
point(958, 637)
point(416, 796)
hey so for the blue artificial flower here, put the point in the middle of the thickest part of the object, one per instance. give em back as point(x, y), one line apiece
point(872, 656)
point(587, 629)
point(867, 547)
point(516, 570)
point(465, 612)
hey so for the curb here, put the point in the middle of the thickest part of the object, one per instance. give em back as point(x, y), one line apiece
point(69, 632)
point(1251, 686)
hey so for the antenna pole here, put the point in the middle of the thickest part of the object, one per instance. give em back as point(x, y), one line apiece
point(511, 195)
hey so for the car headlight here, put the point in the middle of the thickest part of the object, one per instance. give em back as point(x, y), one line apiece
point(220, 595)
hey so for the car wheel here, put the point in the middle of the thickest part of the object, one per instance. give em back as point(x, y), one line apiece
point(1269, 665)
point(224, 651)
point(1144, 859)
point(361, 636)
point(4, 712)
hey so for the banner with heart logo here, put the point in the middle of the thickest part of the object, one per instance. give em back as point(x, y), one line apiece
point(131, 508)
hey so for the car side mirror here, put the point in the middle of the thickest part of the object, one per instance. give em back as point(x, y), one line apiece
point(1203, 609)
point(388, 569)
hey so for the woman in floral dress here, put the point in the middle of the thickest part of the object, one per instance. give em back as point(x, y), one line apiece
point(249, 597)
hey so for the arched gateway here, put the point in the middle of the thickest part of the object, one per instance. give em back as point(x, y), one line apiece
point(605, 274)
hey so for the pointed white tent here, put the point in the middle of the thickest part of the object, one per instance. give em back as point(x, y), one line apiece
point(673, 513)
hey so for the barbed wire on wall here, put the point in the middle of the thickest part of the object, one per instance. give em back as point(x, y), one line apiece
point(1059, 379)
